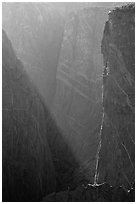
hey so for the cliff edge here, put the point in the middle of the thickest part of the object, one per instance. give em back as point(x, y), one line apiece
point(117, 146)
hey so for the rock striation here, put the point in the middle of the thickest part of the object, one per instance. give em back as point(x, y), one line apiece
point(77, 104)
point(27, 168)
point(117, 145)
point(36, 32)
point(85, 143)
point(36, 160)
point(115, 171)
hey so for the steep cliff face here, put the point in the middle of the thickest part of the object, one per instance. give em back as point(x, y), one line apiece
point(117, 146)
point(36, 32)
point(36, 159)
point(77, 104)
point(116, 150)
point(28, 170)
point(61, 54)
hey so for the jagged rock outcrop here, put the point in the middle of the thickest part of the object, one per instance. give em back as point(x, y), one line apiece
point(117, 146)
point(36, 32)
point(36, 159)
point(78, 100)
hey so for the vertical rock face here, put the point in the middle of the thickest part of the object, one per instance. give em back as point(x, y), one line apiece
point(77, 105)
point(61, 54)
point(36, 32)
point(36, 159)
point(28, 171)
point(117, 150)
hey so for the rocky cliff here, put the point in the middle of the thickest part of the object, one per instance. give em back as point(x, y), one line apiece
point(36, 32)
point(26, 153)
point(115, 164)
point(117, 145)
point(60, 50)
point(78, 99)
point(36, 159)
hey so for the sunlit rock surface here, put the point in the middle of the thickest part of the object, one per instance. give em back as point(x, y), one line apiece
point(28, 170)
point(78, 100)
point(117, 149)
point(115, 159)
point(60, 50)
point(36, 32)
point(36, 159)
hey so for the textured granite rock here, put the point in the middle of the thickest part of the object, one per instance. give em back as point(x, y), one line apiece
point(117, 146)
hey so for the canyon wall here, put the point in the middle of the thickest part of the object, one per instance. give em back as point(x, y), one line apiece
point(36, 32)
point(35, 158)
point(78, 100)
point(115, 164)
point(54, 135)
point(60, 50)
point(117, 145)
point(25, 150)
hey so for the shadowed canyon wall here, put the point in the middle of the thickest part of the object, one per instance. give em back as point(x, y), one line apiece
point(115, 164)
point(35, 158)
point(60, 50)
point(26, 152)
point(64, 122)
point(78, 100)
point(117, 146)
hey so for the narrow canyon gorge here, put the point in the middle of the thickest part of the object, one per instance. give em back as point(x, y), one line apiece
point(68, 102)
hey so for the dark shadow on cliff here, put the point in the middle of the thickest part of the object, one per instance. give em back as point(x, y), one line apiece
point(36, 160)
point(65, 163)
point(94, 193)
